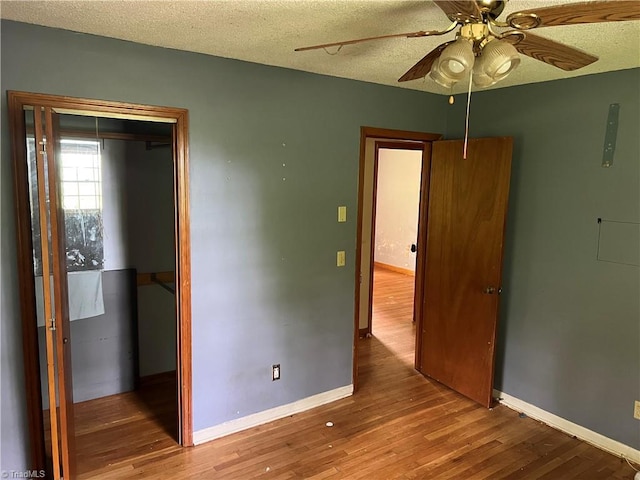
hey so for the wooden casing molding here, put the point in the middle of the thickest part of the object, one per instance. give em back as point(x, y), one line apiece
point(421, 253)
point(388, 139)
point(26, 284)
point(17, 101)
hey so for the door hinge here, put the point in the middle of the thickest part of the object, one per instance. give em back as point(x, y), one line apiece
point(360, 277)
point(53, 324)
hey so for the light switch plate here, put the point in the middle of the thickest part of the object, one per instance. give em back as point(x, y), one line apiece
point(342, 214)
point(341, 258)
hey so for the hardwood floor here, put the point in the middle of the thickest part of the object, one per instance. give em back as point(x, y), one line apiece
point(121, 428)
point(399, 425)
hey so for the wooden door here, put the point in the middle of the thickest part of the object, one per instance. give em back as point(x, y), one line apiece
point(56, 308)
point(465, 235)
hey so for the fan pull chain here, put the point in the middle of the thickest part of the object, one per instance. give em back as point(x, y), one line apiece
point(466, 120)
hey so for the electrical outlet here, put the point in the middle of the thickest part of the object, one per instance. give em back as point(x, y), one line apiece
point(275, 372)
point(636, 409)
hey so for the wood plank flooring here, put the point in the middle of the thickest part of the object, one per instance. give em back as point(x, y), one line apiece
point(399, 425)
point(120, 428)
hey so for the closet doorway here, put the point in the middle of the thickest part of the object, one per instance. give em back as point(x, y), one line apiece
point(101, 194)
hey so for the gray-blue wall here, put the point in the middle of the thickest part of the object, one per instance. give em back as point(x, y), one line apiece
point(149, 229)
point(273, 152)
point(570, 324)
point(137, 192)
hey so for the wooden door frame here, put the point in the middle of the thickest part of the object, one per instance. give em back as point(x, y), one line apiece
point(387, 136)
point(62, 104)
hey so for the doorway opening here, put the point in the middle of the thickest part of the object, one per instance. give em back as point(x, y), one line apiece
point(394, 233)
point(102, 212)
point(388, 258)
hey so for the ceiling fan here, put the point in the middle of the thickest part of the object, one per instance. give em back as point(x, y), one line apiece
point(487, 53)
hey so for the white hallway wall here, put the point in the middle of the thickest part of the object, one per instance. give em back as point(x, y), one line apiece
point(397, 201)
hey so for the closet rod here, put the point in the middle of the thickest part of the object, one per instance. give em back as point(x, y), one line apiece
point(136, 137)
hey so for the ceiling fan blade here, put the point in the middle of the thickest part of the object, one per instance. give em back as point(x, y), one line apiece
point(576, 13)
point(421, 33)
point(460, 9)
point(547, 51)
point(423, 67)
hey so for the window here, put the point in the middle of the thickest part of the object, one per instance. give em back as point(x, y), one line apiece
point(79, 164)
point(81, 183)
point(80, 175)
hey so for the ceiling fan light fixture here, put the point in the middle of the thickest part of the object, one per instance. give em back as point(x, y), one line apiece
point(457, 59)
point(499, 59)
point(481, 79)
point(439, 77)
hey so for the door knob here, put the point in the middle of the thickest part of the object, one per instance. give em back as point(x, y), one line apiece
point(489, 290)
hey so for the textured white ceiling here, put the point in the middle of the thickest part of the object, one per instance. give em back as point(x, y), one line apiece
point(267, 31)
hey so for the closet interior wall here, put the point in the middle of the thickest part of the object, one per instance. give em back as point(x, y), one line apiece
point(136, 335)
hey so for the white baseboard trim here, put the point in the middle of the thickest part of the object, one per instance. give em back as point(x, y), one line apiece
point(260, 418)
point(559, 423)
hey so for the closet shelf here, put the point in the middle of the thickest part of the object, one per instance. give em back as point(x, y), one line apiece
point(163, 279)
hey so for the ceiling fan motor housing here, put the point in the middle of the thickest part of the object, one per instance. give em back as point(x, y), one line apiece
point(474, 31)
point(492, 8)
